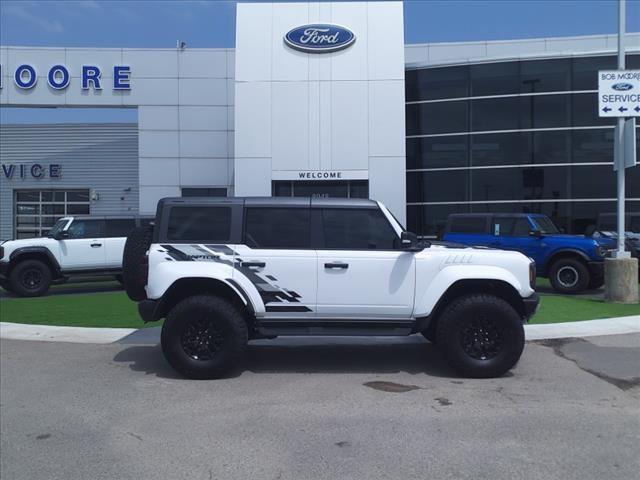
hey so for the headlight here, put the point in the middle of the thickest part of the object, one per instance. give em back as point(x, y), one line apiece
point(604, 251)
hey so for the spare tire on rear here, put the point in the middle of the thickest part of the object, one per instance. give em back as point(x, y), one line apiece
point(135, 265)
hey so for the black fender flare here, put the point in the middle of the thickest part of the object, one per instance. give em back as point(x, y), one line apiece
point(14, 257)
point(564, 251)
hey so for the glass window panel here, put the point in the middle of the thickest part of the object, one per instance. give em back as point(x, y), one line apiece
point(597, 181)
point(211, 224)
point(632, 180)
point(495, 78)
point(361, 229)
point(436, 152)
point(282, 188)
point(53, 209)
point(359, 189)
point(546, 111)
point(438, 117)
point(585, 214)
point(437, 83)
point(277, 228)
point(78, 196)
point(511, 148)
point(551, 147)
point(438, 186)
point(632, 62)
point(521, 228)
point(495, 114)
point(519, 183)
point(545, 75)
point(592, 145)
point(469, 224)
point(585, 111)
point(503, 226)
point(321, 189)
point(77, 209)
point(59, 197)
point(47, 196)
point(29, 221)
point(27, 234)
point(585, 71)
point(49, 221)
point(25, 209)
point(28, 196)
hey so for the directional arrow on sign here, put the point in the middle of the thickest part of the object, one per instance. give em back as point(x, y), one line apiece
point(637, 109)
point(606, 109)
point(622, 109)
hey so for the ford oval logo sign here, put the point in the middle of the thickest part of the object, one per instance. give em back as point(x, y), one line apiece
point(319, 38)
point(622, 87)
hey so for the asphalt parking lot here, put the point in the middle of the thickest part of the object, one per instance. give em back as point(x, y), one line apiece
point(318, 408)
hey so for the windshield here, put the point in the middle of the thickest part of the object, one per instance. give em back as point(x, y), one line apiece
point(545, 225)
point(58, 227)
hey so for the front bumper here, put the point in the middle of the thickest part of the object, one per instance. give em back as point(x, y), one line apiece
point(531, 305)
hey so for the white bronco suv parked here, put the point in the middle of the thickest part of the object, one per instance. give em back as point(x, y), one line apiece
point(224, 271)
point(74, 246)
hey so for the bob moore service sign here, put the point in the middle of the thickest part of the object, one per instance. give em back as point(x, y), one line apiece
point(319, 38)
point(619, 93)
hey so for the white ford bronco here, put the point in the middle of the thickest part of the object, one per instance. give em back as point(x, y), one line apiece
point(225, 271)
point(75, 246)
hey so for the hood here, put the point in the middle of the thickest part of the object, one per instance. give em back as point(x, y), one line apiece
point(28, 242)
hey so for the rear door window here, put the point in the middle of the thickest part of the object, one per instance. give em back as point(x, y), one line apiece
point(199, 224)
point(277, 228)
point(119, 227)
point(503, 226)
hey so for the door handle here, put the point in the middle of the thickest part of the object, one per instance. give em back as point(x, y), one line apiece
point(253, 264)
point(336, 265)
point(96, 245)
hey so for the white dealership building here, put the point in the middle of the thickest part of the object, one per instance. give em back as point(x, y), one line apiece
point(315, 99)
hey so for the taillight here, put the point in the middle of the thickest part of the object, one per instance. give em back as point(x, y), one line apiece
point(532, 274)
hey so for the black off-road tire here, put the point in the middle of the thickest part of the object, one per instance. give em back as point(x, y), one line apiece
point(569, 276)
point(135, 263)
point(479, 313)
point(204, 337)
point(30, 278)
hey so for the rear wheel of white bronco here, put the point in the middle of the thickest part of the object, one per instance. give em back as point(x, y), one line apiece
point(134, 262)
point(204, 336)
point(481, 335)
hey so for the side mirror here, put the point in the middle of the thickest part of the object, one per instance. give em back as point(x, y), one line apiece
point(62, 235)
point(409, 241)
point(535, 234)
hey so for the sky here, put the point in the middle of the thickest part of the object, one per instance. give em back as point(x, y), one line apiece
point(211, 23)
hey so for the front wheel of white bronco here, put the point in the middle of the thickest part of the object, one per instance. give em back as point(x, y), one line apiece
point(204, 336)
point(481, 335)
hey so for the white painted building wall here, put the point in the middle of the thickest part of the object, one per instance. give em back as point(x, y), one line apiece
point(340, 111)
point(184, 100)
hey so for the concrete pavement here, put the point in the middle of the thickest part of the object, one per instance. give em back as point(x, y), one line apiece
point(316, 410)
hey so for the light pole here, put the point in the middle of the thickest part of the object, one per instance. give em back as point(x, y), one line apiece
point(620, 137)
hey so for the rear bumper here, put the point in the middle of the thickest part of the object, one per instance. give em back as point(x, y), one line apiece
point(531, 305)
point(148, 310)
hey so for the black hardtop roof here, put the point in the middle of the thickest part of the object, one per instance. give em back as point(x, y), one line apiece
point(272, 201)
point(123, 216)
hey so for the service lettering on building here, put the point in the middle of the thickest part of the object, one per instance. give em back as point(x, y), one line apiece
point(14, 171)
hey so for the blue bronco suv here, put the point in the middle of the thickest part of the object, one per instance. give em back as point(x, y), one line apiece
point(571, 262)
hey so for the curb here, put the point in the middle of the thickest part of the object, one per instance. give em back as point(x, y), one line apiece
point(151, 336)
